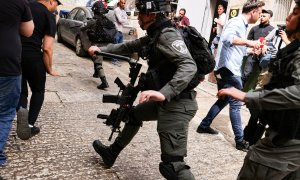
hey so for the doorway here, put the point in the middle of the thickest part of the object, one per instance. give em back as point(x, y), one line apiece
point(215, 5)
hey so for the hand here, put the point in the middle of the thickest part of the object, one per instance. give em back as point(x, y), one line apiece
point(53, 73)
point(92, 50)
point(151, 95)
point(257, 51)
point(284, 37)
point(216, 20)
point(264, 50)
point(254, 44)
point(232, 92)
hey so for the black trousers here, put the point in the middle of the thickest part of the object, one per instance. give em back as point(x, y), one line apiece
point(33, 73)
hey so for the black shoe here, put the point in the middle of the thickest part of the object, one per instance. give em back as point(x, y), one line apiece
point(103, 86)
point(207, 130)
point(23, 129)
point(34, 131)
point(106, 153)
point(242, 146)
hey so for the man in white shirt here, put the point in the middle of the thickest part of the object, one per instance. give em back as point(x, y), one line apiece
point(120, 20)
point(220, 21)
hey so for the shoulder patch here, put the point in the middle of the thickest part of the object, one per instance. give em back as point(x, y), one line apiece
point(180, 46)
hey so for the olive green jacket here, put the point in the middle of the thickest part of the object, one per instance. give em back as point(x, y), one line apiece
point(170, 43)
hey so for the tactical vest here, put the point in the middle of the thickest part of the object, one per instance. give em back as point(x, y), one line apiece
point(100, 29)
point(285, 122)
point(160, 70)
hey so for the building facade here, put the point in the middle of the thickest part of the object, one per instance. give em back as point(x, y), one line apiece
point(202, 12)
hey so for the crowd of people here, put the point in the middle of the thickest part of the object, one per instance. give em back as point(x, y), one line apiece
point(261, 70)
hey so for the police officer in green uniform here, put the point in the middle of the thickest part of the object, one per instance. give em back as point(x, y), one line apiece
point(166, 98)
point(95, 37)
point(277, 155)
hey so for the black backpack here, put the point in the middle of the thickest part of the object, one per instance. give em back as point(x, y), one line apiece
point(105, 30)
point(201, 53)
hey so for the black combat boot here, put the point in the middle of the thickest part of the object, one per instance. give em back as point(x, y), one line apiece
point(104, 83)
point(109, 154)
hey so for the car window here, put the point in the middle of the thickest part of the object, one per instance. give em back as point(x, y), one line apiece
point(90, 10)
point(72, 14)
point(80, 16)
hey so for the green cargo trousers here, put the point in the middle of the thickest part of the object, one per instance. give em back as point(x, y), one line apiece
point(272, 158)
point(172, 125)
point(98, 60)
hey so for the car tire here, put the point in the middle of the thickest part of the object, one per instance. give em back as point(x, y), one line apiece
point(59, 38)
point(79, 48)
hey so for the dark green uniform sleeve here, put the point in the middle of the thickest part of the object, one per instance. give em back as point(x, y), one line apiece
point(127, 47)
point(279, 99)
point(172, 46)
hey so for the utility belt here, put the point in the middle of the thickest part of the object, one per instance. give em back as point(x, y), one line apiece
point(186, 95)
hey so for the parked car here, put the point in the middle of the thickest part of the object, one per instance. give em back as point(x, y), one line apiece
point(70, 23)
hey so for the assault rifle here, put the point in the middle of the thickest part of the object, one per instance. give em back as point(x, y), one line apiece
point(125, 97)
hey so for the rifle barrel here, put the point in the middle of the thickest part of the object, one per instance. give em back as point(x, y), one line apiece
point(109, 55)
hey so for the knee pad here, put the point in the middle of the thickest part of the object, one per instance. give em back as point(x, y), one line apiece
point(167, 171)
point(166, 167)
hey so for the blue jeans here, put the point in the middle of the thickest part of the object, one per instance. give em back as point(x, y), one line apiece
point(118, 39)
point(227, 80)
point(10, 89)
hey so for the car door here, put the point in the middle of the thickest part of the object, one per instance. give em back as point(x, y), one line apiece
point(76, 24)
point(65, 25)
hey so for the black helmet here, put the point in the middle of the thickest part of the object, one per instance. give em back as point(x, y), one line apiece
point(99, 8)
point(153, 6)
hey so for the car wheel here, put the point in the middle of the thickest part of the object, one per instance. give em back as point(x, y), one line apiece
point(79, 48)
point(59, 38)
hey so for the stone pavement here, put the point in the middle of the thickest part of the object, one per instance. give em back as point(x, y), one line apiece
point(69, 125)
